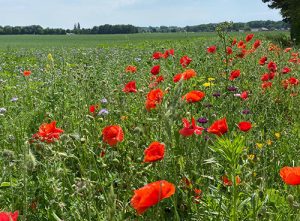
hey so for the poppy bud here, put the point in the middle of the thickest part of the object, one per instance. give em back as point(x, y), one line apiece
point(138, 130)
point(290, 199)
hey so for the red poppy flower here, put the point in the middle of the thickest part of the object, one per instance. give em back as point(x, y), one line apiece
point(185, 61)
point(244, 95)
point(271, 75)
point(112, 134)
point(293, 81)
point(234, 42)
point(256, 44)
point(93, 108)
point(159, 79)
point(265, 77)
point(157, 55)
point(130, 87)
point(48, 132)
point(189, 73)
point(285, 70)
point(234, 74)
point(249, 37)
point(155, 69)
point(266, 85)
point(194, 96)
point(171, 51)
point(186, 182)
point(290, 175)
point(150, 105)
point(211, 49)
point(26, 73)
point(241, 44)
point(151, 194)
point(168, 53)
point(227, 182)
point(294, 60)
point(131, 69)
point(229, 50)
point(245, 126)
point(219, 127)
point(285, 83)
point(154, 152)
point(190, 129)
point(5, 216)
point(263, 60)
point(197, 196)
point(155, 95)
point(272, 66)
point(197, 192)
point(178, 77)
point(287, 50)
point(242, 53)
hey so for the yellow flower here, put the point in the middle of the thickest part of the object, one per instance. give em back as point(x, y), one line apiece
point(254, 174)
point(269, 142)
point(210, 79)
point(259, 145)
point(277, 135)
point(124, 118)
point(251, 156)
point(50, 58)
point(208, 84)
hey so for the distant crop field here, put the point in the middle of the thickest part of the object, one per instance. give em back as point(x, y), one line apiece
point(91, 41)
point(194, 126)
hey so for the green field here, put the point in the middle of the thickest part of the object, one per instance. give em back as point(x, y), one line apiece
point(93, 165)
point(92, 41)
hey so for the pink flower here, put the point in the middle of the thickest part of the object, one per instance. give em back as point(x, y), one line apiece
point(190, 129)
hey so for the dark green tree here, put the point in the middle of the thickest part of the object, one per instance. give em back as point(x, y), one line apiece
point(290, 10)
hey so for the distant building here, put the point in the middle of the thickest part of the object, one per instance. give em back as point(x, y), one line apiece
point(259, 29)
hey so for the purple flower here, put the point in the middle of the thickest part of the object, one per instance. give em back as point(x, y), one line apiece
point(14, 99)
point(208, 105)
point(103, 112)
point(103, 100)
point(2, 110)
point(232, 88)
point(217, 94)
point(202, 120)
point(246, 111)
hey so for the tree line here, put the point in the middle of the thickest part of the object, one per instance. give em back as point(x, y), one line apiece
point(129, 29)
point(290, 11)
point(266, 25)
point(39, 30)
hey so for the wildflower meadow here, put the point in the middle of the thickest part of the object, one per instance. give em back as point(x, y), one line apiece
point(202, 128)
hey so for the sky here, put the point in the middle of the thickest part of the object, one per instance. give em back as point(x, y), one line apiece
point(89, 13)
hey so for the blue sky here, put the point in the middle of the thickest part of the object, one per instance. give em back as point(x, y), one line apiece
point(64, 13)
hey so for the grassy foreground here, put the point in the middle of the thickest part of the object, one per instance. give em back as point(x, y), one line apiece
point(78, 174)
